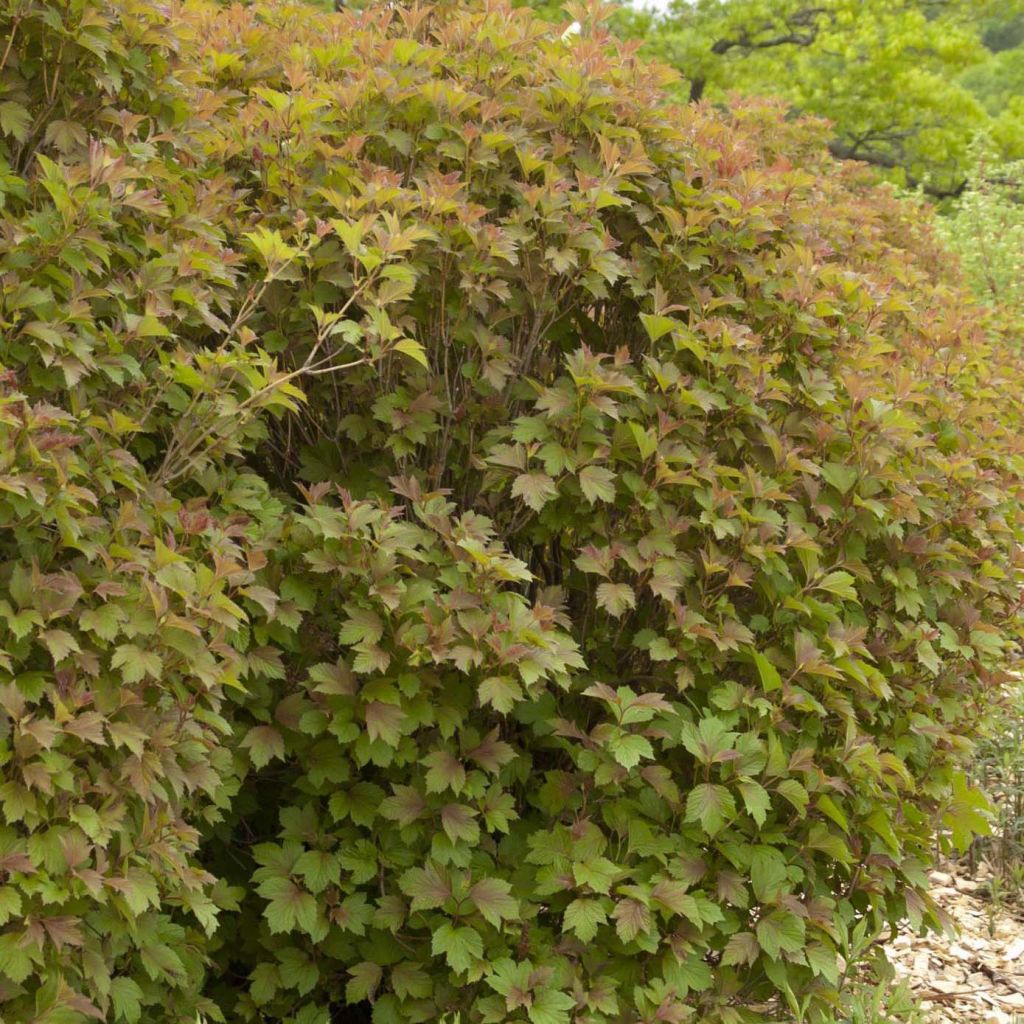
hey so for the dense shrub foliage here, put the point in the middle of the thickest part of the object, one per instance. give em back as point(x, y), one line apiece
point(477, 539)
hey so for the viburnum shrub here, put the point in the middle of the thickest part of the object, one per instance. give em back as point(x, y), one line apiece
point(478, 540)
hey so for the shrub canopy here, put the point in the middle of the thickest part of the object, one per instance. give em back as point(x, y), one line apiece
point(477, 539)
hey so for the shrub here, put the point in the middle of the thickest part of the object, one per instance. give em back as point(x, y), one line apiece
point(480, 540)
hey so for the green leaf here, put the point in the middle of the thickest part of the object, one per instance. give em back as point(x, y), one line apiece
point(289, 908)
point(10, 903)
point(839, 583)
point(126, 999)
point(691, 973)
point(138, 888)
point(405, 806)
point(658, 326)
point(66, 135)
point(597, 872)
point(711, 805)
point(493, 898)
point(105, 621)
point(928, 657)
point(136, 664)
point(597, 483)
point(365, 977)
point(841, 477)
point(297, 970)
point(632, 918)
point(584, 917)
point(768, 873)
point(414, 350)
point(428, 886)
point(505, 975)
point(23, 622)
point(271, 248)
point(264, 743)
point(794, 793)
point(823, 962)
point(354, 915)
point(150, 327)
point(673, 897)
point(820, 838)
point(15, 962)
point(742, 948)
point(15, 120)
point(755, 799)
point(359, 859)
point(384, 722)
point(780, 932)
point(646, 440)
point(263, 983)
point(444, 771)
point(318, 869)
point(615, 598)
point(501, 692)
point(709, 741)
point(968, 814)
point(550, 1006)
point(60, 643)
point(362, 626)
point(769, 674)
point(828, 807)
point(629, 749)
point(410, 981)
point(536, 489)
point(462, 947)
point(459, 823)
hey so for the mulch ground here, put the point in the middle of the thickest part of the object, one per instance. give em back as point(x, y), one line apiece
point(973, 974)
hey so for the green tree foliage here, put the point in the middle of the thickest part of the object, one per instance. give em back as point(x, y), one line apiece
point(888, 75)
point(476, 538)
point(999, 84)
point(1003, 31)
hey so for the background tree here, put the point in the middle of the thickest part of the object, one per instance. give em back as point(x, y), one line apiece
point(998, 81)
point(894, 78)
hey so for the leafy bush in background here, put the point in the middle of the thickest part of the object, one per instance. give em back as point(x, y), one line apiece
point(478, 539)
point(986, 230)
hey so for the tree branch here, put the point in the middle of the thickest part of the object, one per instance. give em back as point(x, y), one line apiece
point(746, 43)
point(843, 151)
point(801, 29)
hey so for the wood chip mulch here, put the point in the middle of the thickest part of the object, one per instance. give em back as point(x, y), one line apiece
point(975, 974)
